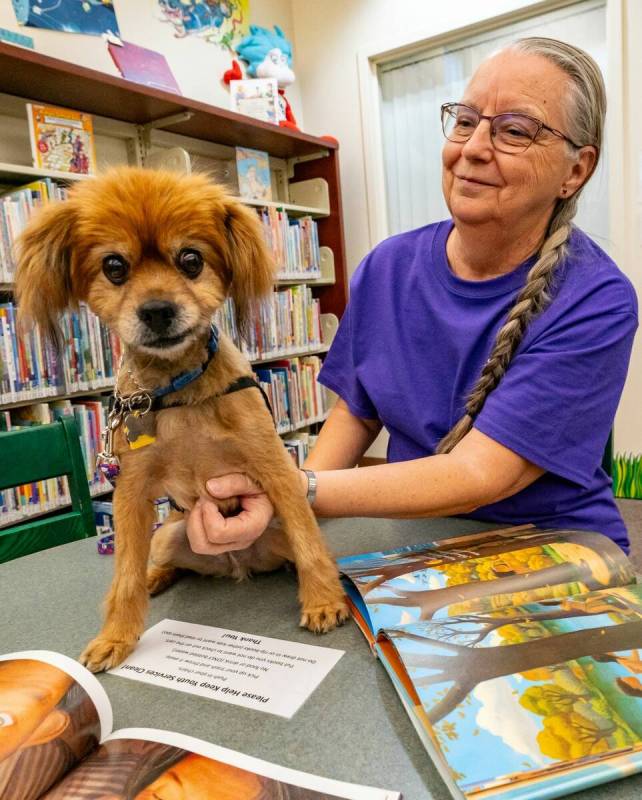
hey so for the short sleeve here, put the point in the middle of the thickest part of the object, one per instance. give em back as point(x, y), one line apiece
point(556, 403)
point(339, 371)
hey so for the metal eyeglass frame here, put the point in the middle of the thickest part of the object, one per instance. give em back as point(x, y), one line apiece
point(445, 109)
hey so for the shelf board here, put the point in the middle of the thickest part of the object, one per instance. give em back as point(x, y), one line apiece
point(311, 282)
point(52, 397)
point(12, 172)
point(53, 510)
point(292, 209)
point(292, 354)
point(307, 423)
point(26, 73)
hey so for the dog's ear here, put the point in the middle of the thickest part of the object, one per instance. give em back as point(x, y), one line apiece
point(43, 278)
point(251, 266)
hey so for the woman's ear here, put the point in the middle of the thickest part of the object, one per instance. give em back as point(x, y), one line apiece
point(248, 259)
point(43, 277)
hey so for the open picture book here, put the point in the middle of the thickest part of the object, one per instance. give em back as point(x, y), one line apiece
point(517, 654)
point(56, 743)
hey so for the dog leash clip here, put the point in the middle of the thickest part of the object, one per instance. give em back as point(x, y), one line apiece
point(106, 461)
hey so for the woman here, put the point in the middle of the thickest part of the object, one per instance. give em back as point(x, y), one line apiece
point(493, 347)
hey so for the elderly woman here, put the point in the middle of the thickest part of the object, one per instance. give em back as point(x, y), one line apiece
point(493, 346)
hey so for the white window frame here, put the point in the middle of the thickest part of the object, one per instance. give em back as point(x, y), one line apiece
point(371, 56)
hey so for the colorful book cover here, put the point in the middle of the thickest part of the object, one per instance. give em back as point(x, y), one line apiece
point(58, 743)
point(253, 168)
point(62, 140)
point(517, 654)
point(144, 66)
point(255, 97)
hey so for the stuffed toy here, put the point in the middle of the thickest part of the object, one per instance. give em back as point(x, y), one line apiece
point(268, 55)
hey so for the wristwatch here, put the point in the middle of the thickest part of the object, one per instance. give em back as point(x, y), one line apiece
point(312, 486)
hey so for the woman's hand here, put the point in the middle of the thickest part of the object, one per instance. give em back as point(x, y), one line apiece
point(210, 533)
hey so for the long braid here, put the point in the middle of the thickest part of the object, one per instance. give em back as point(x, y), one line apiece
point(532, 299)
point(537, 291)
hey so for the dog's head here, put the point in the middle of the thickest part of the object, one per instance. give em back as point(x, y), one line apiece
point(154, 254)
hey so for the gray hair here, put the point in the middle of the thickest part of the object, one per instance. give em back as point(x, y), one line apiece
point(585, 126)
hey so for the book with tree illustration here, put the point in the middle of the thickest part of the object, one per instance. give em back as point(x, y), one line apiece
point(517, 654)
point(56, 743)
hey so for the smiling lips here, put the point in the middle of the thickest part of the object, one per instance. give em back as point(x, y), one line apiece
point(474, 181)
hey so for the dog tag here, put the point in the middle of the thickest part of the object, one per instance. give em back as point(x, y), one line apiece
point(140, 429)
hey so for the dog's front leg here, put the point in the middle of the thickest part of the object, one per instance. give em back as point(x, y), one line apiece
point(322, 598)
point(126, 602)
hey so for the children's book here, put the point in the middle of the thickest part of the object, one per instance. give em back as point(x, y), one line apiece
point(61, 139)
point(256, 97)
point(517, 654)
point(144, 66)
point(56, 743)
point(253, 169)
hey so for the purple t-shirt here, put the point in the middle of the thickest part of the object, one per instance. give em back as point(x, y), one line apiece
point(414, 338)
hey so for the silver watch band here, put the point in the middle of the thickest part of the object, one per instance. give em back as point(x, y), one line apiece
point(312, 486)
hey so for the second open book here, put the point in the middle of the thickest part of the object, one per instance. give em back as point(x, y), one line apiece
point(517, 654)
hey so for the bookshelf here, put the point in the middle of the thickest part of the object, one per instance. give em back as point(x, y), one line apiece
point(138, 125)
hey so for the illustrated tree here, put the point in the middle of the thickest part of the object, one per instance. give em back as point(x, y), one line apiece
point(431, 601)
point(577, 720)
point(464, 665)
point(387, 568)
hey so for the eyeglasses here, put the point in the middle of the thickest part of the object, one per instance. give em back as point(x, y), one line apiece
point(509, 133)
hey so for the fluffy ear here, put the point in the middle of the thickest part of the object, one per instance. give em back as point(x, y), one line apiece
point(43, 279)
point(251, 266)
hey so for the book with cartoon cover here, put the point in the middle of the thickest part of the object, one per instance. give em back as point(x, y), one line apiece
point(517, 654)
point(62, 140)
point(56, 743)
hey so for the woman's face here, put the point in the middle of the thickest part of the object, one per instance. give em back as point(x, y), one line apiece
point(483, 185)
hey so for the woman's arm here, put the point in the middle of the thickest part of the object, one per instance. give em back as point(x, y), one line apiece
point(478, 472)
point(344, 438)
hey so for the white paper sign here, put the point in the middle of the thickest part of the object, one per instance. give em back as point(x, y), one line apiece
point(245, 669)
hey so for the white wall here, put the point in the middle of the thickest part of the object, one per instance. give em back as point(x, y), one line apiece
point(197, 66)
point(328, 36)
point(628, 423)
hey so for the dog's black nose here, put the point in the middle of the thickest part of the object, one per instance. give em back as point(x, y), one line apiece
point(158, 315)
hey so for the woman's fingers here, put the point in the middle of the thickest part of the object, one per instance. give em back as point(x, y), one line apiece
point(241, 529)
point(210, 533)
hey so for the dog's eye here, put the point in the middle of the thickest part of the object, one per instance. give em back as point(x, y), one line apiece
point(190, 262)
point(115, 268)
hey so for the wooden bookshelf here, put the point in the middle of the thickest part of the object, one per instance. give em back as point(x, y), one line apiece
point(34, 76)
point(26, 75)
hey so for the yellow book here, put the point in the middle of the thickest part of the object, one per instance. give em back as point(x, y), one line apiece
point(62, 140)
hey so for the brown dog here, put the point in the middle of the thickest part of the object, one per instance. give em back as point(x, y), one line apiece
point(154, 254)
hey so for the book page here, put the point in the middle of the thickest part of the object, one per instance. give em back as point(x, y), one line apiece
point(53, 712)
point(480, 572)
point(518, 694)
point(146, 764)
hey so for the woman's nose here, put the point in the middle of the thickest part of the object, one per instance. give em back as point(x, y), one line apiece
point(480, 144)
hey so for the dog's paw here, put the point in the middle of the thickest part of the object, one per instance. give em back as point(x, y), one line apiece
point(103, 653)
point(323, 618)
point(160, 578)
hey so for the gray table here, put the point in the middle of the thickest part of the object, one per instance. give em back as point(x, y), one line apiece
point(352, 728)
